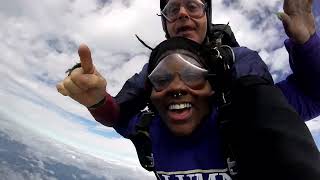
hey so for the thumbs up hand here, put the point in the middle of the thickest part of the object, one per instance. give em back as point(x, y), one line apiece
point(84, 84)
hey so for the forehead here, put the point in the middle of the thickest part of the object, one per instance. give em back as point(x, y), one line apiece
point(178, 60)
point(182, 56)
point(177, 63)
point(183, 0)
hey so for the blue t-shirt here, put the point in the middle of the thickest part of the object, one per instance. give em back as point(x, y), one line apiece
point(195, 157)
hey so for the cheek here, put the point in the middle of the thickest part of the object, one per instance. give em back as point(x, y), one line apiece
point(203, 93)
point(170, 29)
point(155, 98)
point(202, 30)
point(203, 98)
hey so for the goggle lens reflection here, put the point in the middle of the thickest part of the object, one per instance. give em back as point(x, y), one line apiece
point(186, 67)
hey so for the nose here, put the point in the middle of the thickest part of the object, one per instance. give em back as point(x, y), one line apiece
point(183, 13)
point(177, 86)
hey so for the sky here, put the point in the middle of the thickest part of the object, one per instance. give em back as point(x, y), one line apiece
point(39, 42)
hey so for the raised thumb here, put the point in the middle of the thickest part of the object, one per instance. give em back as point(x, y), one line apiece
point(85, 59)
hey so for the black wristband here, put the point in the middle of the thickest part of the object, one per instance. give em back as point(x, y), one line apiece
point(100, 103)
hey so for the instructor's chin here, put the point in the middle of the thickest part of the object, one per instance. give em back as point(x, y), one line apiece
point(189, 36)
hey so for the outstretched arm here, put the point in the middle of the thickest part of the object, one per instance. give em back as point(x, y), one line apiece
point(301, 88)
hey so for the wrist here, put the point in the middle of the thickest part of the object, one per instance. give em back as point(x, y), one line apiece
point(107, 113)
point(98, 104)
point(301, 40)
point(312, 42)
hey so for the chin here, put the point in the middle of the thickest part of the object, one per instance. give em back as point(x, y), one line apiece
point(180, 130)
point(193, 38)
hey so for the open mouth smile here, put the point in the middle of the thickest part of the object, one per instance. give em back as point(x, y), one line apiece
point(179, 112)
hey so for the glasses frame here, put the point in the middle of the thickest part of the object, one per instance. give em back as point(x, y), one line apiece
point(205, 6)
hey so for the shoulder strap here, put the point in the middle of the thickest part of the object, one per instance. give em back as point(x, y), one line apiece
point(222, 81)
point(142, 141)
point(225, 123)
point(224, 31)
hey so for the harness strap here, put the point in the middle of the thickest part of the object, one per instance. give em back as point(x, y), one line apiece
point(142, 141)
point(223, 81)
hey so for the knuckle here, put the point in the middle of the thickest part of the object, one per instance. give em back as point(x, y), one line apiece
point(71, 87)
point(104, 81)
point(65, 93)
point(99, 81)
point(84, 85)
point(62, 91)
point(76, 72)
point(67, 82)
point(59, 85)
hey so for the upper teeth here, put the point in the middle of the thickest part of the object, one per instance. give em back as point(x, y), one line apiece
point(179, 106)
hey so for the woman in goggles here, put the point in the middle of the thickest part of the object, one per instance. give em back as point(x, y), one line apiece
point(180, 90)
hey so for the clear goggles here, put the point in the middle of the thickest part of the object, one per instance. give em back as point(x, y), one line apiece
point(186, 67)
point(195, 9)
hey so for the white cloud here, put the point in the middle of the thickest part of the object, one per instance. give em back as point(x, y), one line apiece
point(314, 125)
point(254, 24)
point(48, 158)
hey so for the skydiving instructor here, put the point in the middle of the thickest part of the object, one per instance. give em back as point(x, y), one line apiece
point(87, 86)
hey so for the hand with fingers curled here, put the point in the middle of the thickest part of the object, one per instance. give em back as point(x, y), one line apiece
point(84, 83)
